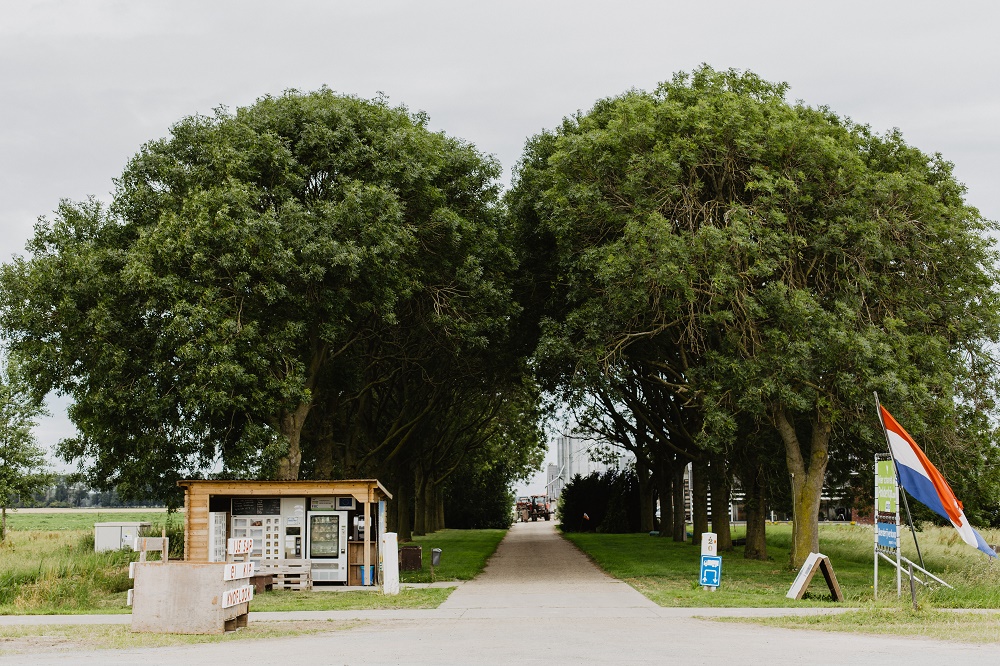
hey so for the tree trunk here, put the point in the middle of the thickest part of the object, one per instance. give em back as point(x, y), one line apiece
point(755, 501)
point(325, 446)
point(324, 459)
point(419, 502)
point(699, 498)
point(440, 510)
point(292, 422)
point(291, 429)
point(664, 477)
point(718, 477)
point(646, 507)
point(430, 506)
point(680, 524)
point(807, 482)
point(403, 510)
point(3, 523)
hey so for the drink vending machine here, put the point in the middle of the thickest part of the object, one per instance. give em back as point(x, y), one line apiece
point(326, 537)
point(283, 529)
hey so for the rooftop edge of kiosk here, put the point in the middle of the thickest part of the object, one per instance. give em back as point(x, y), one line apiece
point(324, 524)
point(358, 488)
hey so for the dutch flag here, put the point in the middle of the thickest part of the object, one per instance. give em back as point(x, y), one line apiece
point(926, 485)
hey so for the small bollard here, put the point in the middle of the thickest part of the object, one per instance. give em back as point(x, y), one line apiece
point(435, 560)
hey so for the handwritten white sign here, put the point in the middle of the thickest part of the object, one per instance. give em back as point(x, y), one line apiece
point(239, 546)
point(237, 570)
point(239, 595)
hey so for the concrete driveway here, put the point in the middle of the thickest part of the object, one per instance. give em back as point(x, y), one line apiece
point(540, 601)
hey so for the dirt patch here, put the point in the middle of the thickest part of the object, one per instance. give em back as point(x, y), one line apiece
point(64, 638)
point(40, 643)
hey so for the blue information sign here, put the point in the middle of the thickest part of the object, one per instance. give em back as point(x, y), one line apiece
point(711, 570)
point(887, 535)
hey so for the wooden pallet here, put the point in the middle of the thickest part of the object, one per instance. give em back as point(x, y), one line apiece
point(290, 575)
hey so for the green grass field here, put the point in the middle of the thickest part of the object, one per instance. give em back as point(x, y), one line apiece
point(84, 520)
point(48, 566)
point(667, 572)
point(463, 554)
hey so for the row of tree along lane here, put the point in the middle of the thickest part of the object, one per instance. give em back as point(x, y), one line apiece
point(315, 286)
point(724, 277)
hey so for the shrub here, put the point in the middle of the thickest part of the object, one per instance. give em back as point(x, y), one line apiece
point(606, 502)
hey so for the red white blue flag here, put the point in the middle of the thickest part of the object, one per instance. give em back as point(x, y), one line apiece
point(926, 485)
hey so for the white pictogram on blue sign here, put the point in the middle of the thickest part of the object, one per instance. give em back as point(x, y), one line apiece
point(711, 570)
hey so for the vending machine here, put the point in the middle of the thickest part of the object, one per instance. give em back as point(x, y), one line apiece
point(293, 515)
point(258, 519)
point(217, 536)
point(326, 543)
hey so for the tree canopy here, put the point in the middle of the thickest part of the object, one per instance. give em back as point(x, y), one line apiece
point(722, 254)
point(318, 285)
point(311, 249)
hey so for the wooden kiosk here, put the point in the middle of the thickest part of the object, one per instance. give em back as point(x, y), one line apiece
point(307, 532)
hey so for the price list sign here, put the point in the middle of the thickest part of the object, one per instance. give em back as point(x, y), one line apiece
point(886, 505)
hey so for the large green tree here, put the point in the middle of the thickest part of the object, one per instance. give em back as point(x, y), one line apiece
point(248, 263)
point(786, 261)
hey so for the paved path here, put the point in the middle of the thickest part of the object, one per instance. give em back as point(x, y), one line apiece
point(541, 602)
point(536, 573)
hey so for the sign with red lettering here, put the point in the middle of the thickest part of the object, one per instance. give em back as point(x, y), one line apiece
point(239, 546)
point(239, 595)
point(237, 570)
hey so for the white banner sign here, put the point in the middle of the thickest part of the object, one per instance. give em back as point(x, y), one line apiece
point(237, 570)
point(239, 546)
point(240, 595)
point(804, 576)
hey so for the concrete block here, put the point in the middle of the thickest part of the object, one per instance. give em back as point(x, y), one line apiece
point(185, 598)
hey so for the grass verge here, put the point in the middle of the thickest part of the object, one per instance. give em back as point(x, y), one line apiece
point(463, 554)
point(67, 638)
point(290, 600)
point(961, 626)
point(667, 572)
point(56, 571)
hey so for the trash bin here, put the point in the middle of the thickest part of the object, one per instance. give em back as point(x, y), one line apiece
point(435, 557)
point(411, 558)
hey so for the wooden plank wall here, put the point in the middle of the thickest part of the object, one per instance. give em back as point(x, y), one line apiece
point(196, 524)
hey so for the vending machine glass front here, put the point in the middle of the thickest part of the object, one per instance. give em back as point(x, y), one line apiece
point(324, 530)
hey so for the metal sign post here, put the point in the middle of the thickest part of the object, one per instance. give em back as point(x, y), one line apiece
point(887, 517)
point(711, 563)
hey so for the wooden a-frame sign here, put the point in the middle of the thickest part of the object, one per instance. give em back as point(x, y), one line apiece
point(820, 562)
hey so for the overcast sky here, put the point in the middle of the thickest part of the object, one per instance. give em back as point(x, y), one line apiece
point(84, 83)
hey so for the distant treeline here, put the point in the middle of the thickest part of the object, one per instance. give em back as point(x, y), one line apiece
point(67, 493)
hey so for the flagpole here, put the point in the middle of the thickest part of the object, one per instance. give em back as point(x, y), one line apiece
point(899, 482)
